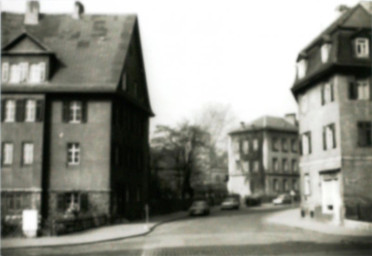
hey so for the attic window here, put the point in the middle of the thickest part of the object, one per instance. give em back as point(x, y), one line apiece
point(325, 50)
point(362, 47)
point(301, 68)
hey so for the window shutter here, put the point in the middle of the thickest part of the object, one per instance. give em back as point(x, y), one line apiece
point(353, 93)
point(20, 110)
point(84, 112)
point(361, 136)
point(66, 112)
point(332, 91)
point(334, 135)
point(84, 204)
point(309, 140)
point(324, 139)
point(300, 145)
point(322, 94)
point(39, 111)
point(3, 110)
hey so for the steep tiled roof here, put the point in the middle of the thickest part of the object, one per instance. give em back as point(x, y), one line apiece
point(354, 21)
point(342, 20)
point(268, 122)
point(90, 50)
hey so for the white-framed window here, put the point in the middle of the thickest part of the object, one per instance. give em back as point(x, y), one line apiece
point(329, 137)
point(307, 185)
point(246, 166)
point(7, 153)
point(75, 112)
point(10, 110)
point(23, 71)
point(294, 145)
point(327, 93)
point(15, 74)
point(73, 153)
point(275, 185)
point(285, 185)
point(362, 47)
point(30, 111)
point(256, 166)
point(325, 51)
point(275, 144)
point(246, 146)
point(294, 165)
point(5, 72)
point(294, 185)
point(37, 72)
point(275, 165)
point(28, 153)
point(237, 166)
point(363, 88)
point(284, 145)
point(306, 143)
point(285, 165)
point(301, 68)
point(255, 144)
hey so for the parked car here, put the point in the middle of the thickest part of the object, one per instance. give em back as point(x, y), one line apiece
point(199, 207)
point(230, 203)
point(282, 199)
point(252, 200)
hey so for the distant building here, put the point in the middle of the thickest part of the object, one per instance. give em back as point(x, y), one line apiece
point(75, 114)
point(333, 90)
point(263, 157)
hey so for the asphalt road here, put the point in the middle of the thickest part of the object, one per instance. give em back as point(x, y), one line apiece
point(225, 233)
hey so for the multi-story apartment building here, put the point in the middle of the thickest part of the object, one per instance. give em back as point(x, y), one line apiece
point(75, 114)
point(263, 157)
point(333, 90)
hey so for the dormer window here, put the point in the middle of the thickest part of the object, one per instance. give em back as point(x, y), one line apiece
point(325, 50)
point(362, 47)
point(15, 74)
point(301, 68)
point(37, 73)
point(24, 73)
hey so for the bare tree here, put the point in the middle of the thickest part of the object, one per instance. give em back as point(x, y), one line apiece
point(182, 143)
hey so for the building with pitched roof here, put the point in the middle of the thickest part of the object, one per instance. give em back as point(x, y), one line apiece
point(75, 114)
point(263, 157)
point(333, 90)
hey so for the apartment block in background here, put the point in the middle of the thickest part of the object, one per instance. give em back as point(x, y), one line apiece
point(263, 157)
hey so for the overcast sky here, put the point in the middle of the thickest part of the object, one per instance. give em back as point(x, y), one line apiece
point(236, 52)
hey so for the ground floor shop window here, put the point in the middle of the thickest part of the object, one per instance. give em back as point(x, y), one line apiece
point(72, 202)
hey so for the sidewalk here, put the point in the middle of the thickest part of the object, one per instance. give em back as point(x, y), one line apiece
point(106, 233)
point(292, 218)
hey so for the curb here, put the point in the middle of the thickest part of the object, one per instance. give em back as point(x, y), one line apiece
point(99, 241)
point(355, 238)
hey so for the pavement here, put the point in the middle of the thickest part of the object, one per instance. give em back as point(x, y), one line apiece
point(222, 233)
point(101, 234)
point(292, 218)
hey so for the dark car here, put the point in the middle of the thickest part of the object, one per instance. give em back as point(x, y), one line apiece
point(230, 203)
point(199, 207)
point(252, 200)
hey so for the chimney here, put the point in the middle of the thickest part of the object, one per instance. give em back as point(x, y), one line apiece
point(291, 118)
point(78, 10)
point(242, 125)
point(342, 8)
point(32, 12)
